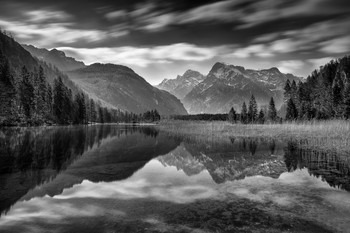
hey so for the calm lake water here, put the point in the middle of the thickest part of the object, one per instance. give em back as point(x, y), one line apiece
point(138, 179)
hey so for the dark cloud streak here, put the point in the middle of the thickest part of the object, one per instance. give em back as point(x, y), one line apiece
point(270, 32)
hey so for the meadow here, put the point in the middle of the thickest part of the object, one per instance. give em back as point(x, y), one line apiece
point(333, 135)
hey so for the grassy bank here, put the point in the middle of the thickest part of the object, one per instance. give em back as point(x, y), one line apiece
point(325, 135)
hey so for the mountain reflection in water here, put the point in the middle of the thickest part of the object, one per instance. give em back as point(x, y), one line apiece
point(123, 178)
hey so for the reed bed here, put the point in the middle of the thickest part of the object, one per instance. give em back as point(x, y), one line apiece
point(333, 135)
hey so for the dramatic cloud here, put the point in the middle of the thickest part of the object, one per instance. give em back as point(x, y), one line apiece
point(259, 50)
point(44, 16)
point(337, 45)
point(162, 37)
point(142, 57)
point(33, 33)
point(290, 66)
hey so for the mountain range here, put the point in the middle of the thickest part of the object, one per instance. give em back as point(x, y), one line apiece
point(228, 86)
point(119, 87)
point(113, 86)
point(183, 84)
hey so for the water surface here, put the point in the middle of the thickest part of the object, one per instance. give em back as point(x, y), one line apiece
point(138, 179)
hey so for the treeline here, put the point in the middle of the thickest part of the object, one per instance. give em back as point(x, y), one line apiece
point(200, 117)
point(324, 95)
point(28, 99)
point(252, 115)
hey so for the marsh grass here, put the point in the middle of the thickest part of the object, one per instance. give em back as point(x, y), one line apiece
point(332, 136)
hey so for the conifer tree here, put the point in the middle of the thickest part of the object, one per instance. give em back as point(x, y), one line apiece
point(346, 111)
point(49, 102)
point(253, 110)
point(244, 114)
point(337, 97)
point(27, 93)
point(156, 115)
point(8, 103)
point(93, 110)
point(292, 112)
point(287, 90)
point(261, 117)
point(5, 72)
point(59, 101)
point(100, 115)
point(294, 92)
point(231, 117)
point(272, 112)
point(79, 109)
point(42, 101)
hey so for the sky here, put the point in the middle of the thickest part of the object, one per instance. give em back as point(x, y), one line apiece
point(162, 38)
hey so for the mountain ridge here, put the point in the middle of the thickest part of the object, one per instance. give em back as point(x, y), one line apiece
point(121, 87)
point(55, 57)
point(182, 84)
point(228, 86)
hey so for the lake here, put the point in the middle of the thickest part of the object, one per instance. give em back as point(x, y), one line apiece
point(111, 178)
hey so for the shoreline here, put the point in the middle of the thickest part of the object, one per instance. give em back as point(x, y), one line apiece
point(332, 135)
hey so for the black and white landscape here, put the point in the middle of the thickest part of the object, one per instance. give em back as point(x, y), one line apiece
point(174, 116)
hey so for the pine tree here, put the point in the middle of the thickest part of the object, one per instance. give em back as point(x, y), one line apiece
point(93, 110)
point(5, 73)
point(106, 116)
point(253, 110)
point(100, 115)
point(261, 117)
point(59, 101)
point(337, 97)
point(156, 115)
point(49, 102)
point(27, 93)
point(272, 112)
point(68, 105)
point(8, 94)
point(292, 112)
point(231, 117)
point(244, 114)
point(79, 109)
point(346, 111)
point(287, 90)
point(294, 92)
point(40, 86)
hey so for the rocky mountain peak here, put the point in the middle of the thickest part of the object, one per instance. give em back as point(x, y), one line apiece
point(183, 84)
point(58, 52)
point(190, 73)
point(229, 86)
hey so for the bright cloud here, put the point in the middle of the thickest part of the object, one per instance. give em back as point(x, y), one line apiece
point(337, 45)
point(50, 34)
point(116, 14)
point(317, 62)
point(290, 66)
point(45, 16)
point(143, 56)
point(258, 50)
point(47, 28)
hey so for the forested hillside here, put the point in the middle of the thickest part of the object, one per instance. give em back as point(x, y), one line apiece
point(324, 95)
point(34, 93)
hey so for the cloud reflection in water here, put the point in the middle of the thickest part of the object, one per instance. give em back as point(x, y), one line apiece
point(153, 181)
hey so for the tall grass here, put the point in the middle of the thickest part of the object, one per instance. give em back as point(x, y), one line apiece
point(331, 135)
